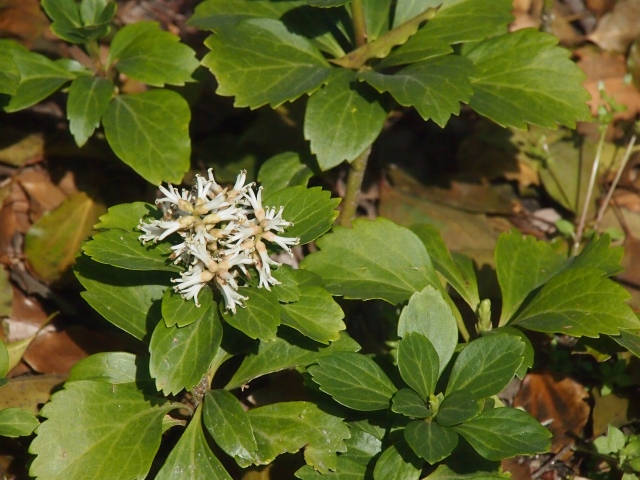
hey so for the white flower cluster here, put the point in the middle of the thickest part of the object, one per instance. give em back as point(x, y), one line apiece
point(223, 233)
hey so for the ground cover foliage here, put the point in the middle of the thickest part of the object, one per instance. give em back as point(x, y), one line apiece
point(245, 303)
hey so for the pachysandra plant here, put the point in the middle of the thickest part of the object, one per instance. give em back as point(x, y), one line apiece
point(194, 278)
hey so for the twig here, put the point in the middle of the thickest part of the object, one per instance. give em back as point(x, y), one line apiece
point(359, 23)
point(538, 473)
point(354, 184)
point(607, 200)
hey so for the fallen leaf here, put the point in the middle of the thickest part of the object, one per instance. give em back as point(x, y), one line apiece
point(616, 30)
point(612, 410)
point(559, 400)
point(27, 317)
point(18, 148)
point(43, 193)
point(22, 20)
point(53, 242)
point(29, 392)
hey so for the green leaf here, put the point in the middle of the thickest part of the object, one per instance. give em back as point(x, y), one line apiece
point(629, 340)
point(613, 442)
point(418, 363)
point(523, 77)
point(288, 350)
point(260, 316)
point(229, 425)
point(110, 367)
point(398, 462)
point(258, 61)
point(327, 3)
point(284, 170)
point(528, 353)
point(9, 75)
point(428, 314)
point(123, 249)
point(312, 211)
point(180, 356)
point(4, 359)
point(407, 402)
point(130, 300)
point(486, 366)
point(88, 100)
point(15, 422)
point(579, 302)
point(78, 437)
point(288, 290)
point(354, 381)
point(505, 432)
point(445, 473)
point(39, 78)
point(212, 14)
point(97, 12)
point(66, 19)
point(398, 269)
point(191, 457)
point(343, 119)
point(290, 426)
point(377, 17)
point(146, 53)
point(315, 315)
point(149, 132)
point(465, 284)
point(599, 254)
point(434, 87)
point(429, 440)
point(522, 265)
point(346, 469)
point(126, 216)
point(178, 311)
point(457, 408)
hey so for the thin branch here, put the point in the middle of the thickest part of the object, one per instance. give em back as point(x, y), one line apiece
point(359, 23)
point(607, 200)
point(354, 184)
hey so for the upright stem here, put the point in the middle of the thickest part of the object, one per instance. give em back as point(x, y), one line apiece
point(354, 184)
point(587, 200)
point(359, 23)
point(607, 200)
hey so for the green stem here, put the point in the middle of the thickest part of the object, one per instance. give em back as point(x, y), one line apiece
point(587, 200)
point(354, 184)
point(359, 23)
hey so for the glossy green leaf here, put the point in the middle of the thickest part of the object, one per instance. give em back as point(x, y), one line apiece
point(599, 254)
point(445, 473)
point(126, 216)
point(315, 315)
point(290, 426)
point(149, 132)
point(77, 436)
point(88, 99)
point(428, 314)
point(176, 310)
point(229, 425)
point(4, 359)
point(407, 402)
point(327, 3)
point(407, 9)
point(343, 119)
point(15, 422)
point(129, 300)
point(528, 353)
point(284, 170)
point(288, 290)
point(429, 440)
point(629, 340)
point(259, 62)
point(465, 283)
point(457, 408)
point(124, 250)
point(66, 19)
point(110, 367)
point(579, 302)
point(290, 349)
point(212, 14)
point(398, 462)
point(486, 366)
point(505, 432)
point(191, 457)
point(398, 269)
point(523, 77)
point(377, 17)
point(53, 241)
point(522, 265)
point(346, 469)
point(418, 363)
point(434, 87)
point(97, 12)
point(260, 316)
point(146, 53)
point(39, 78)
point(180, 356)
point(365, 441)
point(9, 75)
point(353, 380)
point(613, 442)
point(312, 211)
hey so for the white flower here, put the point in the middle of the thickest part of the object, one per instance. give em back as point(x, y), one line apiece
point(273, 221)
point(284, 242)
point(192, 281)
point(230, 294)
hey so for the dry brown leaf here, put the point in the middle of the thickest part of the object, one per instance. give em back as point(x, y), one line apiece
point(559, 400)
point(22, 20)
point(45, 196)
point(27, 317)
point(30, 392)
point(18, 148)
point(616, 30)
